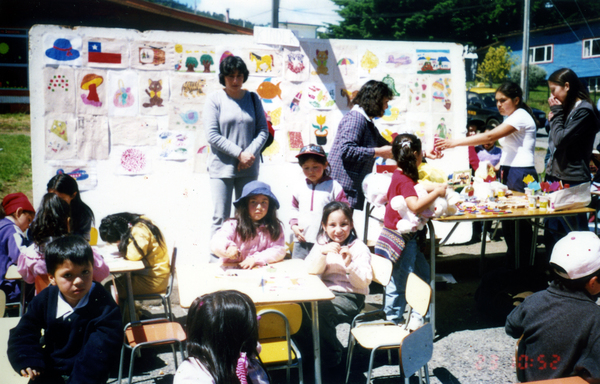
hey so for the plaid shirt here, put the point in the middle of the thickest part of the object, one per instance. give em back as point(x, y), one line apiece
point(351, 155)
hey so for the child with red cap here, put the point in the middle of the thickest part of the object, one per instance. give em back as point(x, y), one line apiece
point(16, 213)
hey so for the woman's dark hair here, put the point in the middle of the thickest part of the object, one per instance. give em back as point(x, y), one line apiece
point(82, 217)
point(370, 97)
point(319, 159)
point(328, 210)
point(219, 326)
point(246, 229)
point(404, 147)
point(51, 221)
point(576, 89)
point(231, 65)
point(512, 90)
point(72, 248)
point(117, 227)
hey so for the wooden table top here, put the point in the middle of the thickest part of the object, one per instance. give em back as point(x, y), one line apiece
point(283, 282)
point(116, 263)
point(9, 376)
point(516, 213)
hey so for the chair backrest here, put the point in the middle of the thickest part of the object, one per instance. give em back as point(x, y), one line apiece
point(418, 294)
point(93, 236)
point(273, 318)
point(382, 269)
point(416, 350)
point(172, 275)
point(41, 282)
point(2, 303)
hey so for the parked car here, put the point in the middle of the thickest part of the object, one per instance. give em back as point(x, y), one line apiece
point(481, 105)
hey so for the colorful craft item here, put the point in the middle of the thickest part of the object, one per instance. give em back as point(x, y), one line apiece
point(555, 186)
point(545, 186)
point(534, 186)
point(528, 179)
point(62, 51)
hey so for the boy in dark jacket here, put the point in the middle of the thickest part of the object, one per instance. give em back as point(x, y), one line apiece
point(561, 325)
point(82, 324)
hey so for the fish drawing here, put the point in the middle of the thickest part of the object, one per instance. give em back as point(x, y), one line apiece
point(267, 91)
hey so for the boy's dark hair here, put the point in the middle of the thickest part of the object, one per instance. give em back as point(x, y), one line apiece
point(370, 97)
point(51, 221)
point(572, 285)
point(82, 215)
point(117, 227)
point(319, 159)
point(72, 248)
point(475, 123)
point(231, 65)
point(404, 147)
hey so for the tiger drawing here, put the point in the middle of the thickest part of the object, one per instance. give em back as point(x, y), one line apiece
point(189, 87)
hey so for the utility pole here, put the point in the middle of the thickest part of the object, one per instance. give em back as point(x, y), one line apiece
point(525, 59)
point(275, 14)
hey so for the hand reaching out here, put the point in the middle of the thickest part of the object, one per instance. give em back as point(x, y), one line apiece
point(249, 263)
point(232, 252)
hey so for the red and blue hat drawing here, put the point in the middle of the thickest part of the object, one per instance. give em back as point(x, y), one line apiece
point(62, 51)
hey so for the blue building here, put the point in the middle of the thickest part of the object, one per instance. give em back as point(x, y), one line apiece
point(575, 46)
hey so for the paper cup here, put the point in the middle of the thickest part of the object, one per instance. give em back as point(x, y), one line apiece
point(532, 202)
point(543, 202)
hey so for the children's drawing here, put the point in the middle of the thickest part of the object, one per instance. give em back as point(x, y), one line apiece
point(295, 143)
point(369, 62)
point(418, 96)
point(201, 151)
point(320, 96)
point(92, 138)
point(433, 61)
point(90, 83)
point(346, 59)
point(105, 53)
point(391, 83)
point(296, 65)
point(63, 50)
point(295, 62)
point(273, 153)
point(84, 172)
point(123, 92)
point(185, 116)
point(152, 56)
point(60, 137)
point(263, 63)
point(193, 88)
point(399, 103)
point(321, 130)
point(295, 104)
point(133, 161)
point(320, 60)
point(399, 62)
point(91, 92)
point(194, 58)
point(59, 93)
point(443, 125)
point(133, 130)
point(267, 90)
point(442, 91)
point(224, 55)
point(174, 145)
point(345, 63)
point(154, 93)
point(275, 117)
point(347, 93)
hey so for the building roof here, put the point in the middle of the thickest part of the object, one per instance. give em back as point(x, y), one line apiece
point(132, 14)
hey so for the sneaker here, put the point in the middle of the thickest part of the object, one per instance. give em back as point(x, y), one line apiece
point(415, 321)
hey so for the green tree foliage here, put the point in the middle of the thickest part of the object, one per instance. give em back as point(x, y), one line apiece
point(496, 65)
point(474, 22)
point(536, 75)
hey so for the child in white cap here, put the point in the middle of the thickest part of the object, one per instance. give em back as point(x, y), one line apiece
point(561, 325)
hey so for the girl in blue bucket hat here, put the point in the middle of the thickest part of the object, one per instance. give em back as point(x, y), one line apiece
point(254, 236)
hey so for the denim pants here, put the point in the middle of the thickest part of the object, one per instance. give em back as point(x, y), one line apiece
point(222, 191)
point(412, 260)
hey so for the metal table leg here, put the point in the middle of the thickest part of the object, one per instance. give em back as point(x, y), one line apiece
point(316, 340)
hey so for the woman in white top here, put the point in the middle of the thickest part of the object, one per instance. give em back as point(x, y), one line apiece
point(517, 137)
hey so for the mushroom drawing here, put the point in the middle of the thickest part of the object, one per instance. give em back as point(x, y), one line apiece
point(89, 83)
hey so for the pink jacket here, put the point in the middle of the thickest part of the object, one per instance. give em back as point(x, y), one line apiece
point(31, 263)
point(261, 247)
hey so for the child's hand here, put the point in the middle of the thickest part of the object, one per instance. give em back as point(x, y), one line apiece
point(299, 233)
point(331, 247)
point(441, 189)
point(232, 252)
point(249, 263)
point(30, 373)
point(345, 252)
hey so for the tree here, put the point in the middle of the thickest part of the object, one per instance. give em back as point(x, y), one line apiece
point(191, 63)
point(206, 61)
point(496, 65)
point(536, 75)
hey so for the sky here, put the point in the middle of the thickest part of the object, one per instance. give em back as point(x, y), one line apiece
point(259, 11)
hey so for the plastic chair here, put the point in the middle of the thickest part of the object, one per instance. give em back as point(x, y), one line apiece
point(150, 333)
point(2, 303)
point(276, 325)
point(41, 282)
point(164, 297)
point(387, 335)
point(93, 236)
point(415, 352)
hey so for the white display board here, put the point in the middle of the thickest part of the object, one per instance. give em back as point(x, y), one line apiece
point(122, 111)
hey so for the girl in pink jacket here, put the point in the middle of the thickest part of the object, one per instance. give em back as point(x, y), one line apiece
point(254, 236)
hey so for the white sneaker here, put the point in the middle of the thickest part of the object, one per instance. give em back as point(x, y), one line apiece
point(415, 321)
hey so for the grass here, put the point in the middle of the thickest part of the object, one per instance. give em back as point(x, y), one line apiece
point(15, 155)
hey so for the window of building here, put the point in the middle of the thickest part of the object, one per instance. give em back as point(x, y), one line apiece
point(541, 54)
point(591, 48)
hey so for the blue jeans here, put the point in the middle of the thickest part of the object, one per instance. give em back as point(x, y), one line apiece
point(222, 191)
point(412, 260)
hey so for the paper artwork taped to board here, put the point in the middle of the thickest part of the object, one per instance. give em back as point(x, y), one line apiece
point(420, 127)
point(152, 56)
point(59, 91)
point(274, 116)
point(62, 49)
point(195, 58)
point(346, 58)
point(269, 90)
point(105, 53)
point(154, 93)
point(175, 145)
point(418, 94)
point(442, 94)
point(61, 142)
point(85, 173)
point(296, 65)
point(133, 130)
point(91, 92)
point(369, 63)
point(185, 116)
point(322, 127)
point(201, 151)
point(433, 61)
point(345, 94)
point(274, 153)
point(319, 96)
point(442, 124)
point(133, 161)
point(322, 62)
point(297, 137)
point(263, 62)
point(189, 88)
point(123, 93)
point(399, 62)
point(92, 138)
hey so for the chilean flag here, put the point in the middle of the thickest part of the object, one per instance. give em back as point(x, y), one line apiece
point(95, 54)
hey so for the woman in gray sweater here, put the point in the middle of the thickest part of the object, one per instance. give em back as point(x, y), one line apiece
point(236, 130)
